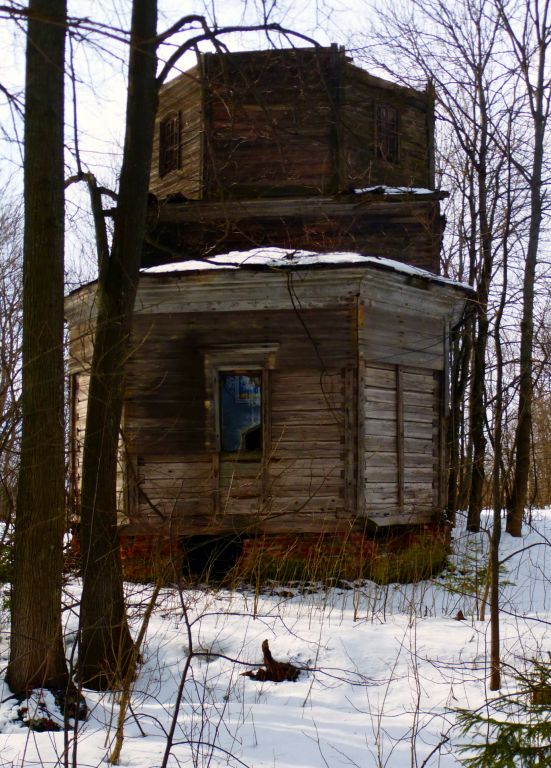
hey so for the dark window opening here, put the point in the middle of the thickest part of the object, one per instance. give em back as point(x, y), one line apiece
point(240, 412)
point(170, 131)
point(386, 133)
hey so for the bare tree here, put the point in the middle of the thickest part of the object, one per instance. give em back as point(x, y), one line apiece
point(457, 48)
point(528, 27)
point(36, 651)
point(106, 647)
point(10, 351)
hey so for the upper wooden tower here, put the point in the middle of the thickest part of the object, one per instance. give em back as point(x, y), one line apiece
point(302, 125)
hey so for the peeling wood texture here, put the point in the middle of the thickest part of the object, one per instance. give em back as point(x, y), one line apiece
point(352, 399)
point(277, 122)
point(347, 362)
point(271, 146)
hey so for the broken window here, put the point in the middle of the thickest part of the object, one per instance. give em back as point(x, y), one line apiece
point(240, 411)
point(386, 133)
point(170, 130)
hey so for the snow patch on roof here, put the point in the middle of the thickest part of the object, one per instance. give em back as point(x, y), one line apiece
point(281, 258)
point(384, 190)
point(275, 258)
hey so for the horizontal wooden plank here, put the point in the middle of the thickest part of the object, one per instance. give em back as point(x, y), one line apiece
point(304, 417)
point(307, 449)
point(418, 429)
point(304, 485)
point(423, 474)
point(291, 433)
point(379, 377)
point(411, 445)
point(316, 503)
point(173, 488)
point(312, 467)
point(419, 382)
point(415, 516)
point(174, 509)
point(184, 469)
point(233, 505)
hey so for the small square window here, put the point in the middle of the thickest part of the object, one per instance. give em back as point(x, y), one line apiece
point(386, 133)
point(170, 139)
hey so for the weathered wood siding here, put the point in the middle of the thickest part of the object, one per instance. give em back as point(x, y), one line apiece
point(79, 389)
point(306, 466)
point(360, 165)
point(401, 443)
point(352, 394)
point(271, 119)
point(409, 230)
point(283, 122)
point(181, 479)
point(183, 95)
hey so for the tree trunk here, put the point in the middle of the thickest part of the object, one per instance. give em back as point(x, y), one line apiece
point(533, 64)
point(523, 437)
point(36, 652)
point(478, 393)
point(106, 648)
point(460, 371)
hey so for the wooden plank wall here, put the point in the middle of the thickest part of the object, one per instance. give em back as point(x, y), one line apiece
point(184, 95)
point(401, 442)
point(80, 386)
point(361, 167)
point(278, 122)
point(168, 422)
point(408, 231)
point(271, 123)
point(306, 465)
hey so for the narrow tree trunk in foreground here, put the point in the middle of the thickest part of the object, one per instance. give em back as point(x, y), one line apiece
point(106, 647)
point(36, 653)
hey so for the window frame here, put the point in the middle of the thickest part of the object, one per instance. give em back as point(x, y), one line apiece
point(387, 133)
point(170, 143)
point(235, 359)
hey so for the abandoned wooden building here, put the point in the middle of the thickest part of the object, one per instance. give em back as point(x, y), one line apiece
point(287, 380)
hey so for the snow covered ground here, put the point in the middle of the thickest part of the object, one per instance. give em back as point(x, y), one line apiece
point(388, 668)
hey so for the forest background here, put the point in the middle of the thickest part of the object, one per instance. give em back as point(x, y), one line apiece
point(489, 63)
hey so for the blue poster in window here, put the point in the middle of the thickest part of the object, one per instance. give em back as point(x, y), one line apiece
point(240, 412)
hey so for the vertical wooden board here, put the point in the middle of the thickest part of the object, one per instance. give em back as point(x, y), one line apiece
point(423, 423)
point(400, 435)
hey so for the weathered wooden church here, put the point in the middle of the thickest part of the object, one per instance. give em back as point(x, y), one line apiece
point(286, 390)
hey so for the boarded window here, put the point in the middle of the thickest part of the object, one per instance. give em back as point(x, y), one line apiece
point(386, 133)
point(240, 411)
point(170, 139)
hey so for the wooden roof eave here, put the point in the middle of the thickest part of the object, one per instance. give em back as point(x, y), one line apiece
point(374, 204)
point(260, 287)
